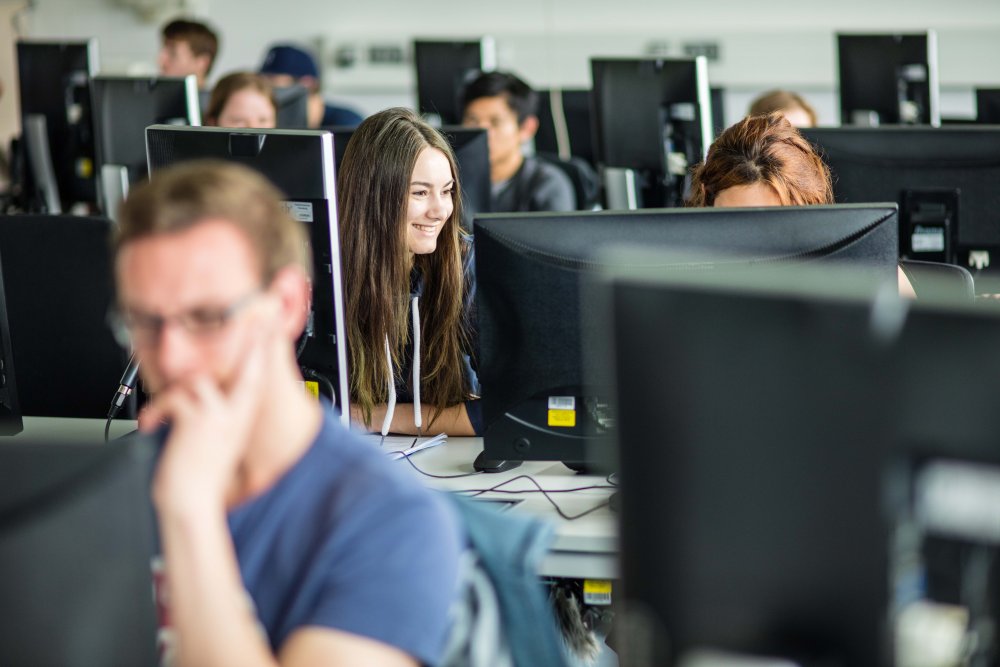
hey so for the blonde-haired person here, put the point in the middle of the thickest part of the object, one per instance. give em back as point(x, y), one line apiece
point(765, 161)
point(792, 105)
point(406, 260)
point(242, 100)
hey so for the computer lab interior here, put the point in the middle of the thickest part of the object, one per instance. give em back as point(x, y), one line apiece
point(750, 433)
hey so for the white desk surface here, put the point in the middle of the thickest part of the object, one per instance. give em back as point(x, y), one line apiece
point(584, 548)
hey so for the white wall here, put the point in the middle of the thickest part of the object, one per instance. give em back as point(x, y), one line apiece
point(10, 123)
point(764, 44)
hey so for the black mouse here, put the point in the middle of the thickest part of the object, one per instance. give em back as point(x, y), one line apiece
point(484, 464)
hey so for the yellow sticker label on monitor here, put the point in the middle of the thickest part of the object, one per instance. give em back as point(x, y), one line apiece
point(597, 591)
point(562, 418)
point(312, 388)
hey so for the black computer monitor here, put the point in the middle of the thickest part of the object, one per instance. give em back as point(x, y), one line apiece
point(443, 68)
point(58, 140)
point(293, 107)
point(753, 429)
point(947, 459)
point(565, 121)
point(653, 116)
point(538, 402)
point(10, 405)
point(944, 179)
point(59, 285)
point(300, 163)
point(888, 79)
point(988, 106)
point(718, 97)
point(76, 545)
point(472, 153)
point(123, 107)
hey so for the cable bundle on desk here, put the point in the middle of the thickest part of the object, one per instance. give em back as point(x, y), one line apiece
point(538, 489)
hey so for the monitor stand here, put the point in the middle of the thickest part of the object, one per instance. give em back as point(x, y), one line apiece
point(484, 464)
point(36, 144)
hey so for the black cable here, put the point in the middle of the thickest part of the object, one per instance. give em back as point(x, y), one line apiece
point(107, 429)
point(545, 493)
point(432, 475)
point(478, 492)
point(310, 374)
point(612, 482)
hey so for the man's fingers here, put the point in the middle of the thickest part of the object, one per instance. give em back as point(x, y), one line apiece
point(165, 407)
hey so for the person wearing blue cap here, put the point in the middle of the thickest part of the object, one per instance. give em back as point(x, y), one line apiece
point(287, 65)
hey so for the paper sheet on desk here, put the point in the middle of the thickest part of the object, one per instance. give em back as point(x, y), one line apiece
point(398, 446)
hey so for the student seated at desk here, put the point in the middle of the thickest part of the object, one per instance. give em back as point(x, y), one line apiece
point(406, 260)
point(506, 107)
point(793, 106)
point(286, 540)
point(287, 65)
point(189, 47)
point(242, 99)
point(765, 161)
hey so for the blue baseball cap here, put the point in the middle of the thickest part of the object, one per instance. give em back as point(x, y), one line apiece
point(288, 59)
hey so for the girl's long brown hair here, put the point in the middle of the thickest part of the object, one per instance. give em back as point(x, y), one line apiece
point(763, 149)
point(373, 191)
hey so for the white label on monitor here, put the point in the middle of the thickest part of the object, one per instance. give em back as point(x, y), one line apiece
point(562, 402)
point(300, 210)
point(928, 240)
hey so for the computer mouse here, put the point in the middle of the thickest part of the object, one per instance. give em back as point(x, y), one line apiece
point(484, 464)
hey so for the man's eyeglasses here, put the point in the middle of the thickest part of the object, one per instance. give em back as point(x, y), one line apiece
point(143, 329)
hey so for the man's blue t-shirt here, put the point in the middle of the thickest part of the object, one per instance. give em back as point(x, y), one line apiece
point(348, 540)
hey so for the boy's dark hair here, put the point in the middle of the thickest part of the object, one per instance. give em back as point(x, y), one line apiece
point(519, 95)
point(201, 38)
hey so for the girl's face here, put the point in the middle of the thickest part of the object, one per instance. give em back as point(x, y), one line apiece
point(430, 203)
point(247, 108)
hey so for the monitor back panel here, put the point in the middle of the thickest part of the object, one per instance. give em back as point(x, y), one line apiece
point(59, 286)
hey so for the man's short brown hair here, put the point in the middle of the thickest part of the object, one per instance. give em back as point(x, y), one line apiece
point(179, 197)
point(199, 37)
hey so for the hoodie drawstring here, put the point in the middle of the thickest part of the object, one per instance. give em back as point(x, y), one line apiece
point(391, 408)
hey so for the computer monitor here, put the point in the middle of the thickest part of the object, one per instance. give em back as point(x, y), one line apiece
point(443, 68)
point(300, 163)
point(76, 545)
point(293, 107)
point(538, 401)
point(54, 85)
point(10, 405)
point(899, 369)
point(988, 106)
point(59, 285)
point(944, 180)
point(753, 433)
point(123, 107)
point(718, 96)
point(888, 79)
point(652, 116)
point(947, 459)
point(472, 153)
point(565, 123)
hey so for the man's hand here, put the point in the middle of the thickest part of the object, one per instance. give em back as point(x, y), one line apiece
point(210, 427)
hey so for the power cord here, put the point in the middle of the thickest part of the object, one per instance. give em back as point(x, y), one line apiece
point(545, 492)
point(432, 475)
point(478, 492)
